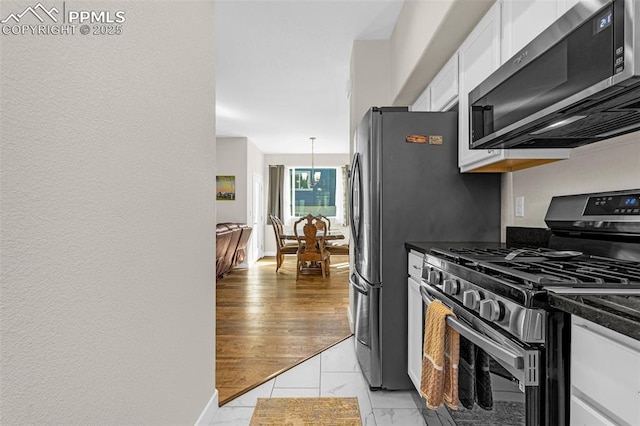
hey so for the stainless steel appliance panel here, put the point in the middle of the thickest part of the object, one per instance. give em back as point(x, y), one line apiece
point(403, 192)
point(576, 83)
point(366, 328)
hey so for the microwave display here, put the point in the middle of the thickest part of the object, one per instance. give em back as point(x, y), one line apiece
point(603, 22)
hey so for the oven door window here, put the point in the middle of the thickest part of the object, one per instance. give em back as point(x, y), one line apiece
point(499, 378)
point(490, 398)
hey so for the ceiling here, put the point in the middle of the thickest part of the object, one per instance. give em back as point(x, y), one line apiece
point(282, 69)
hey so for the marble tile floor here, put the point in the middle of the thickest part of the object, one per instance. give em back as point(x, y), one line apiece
point(336, 373)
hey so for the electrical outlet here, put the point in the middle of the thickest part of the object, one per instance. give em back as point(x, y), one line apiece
point(519, 206)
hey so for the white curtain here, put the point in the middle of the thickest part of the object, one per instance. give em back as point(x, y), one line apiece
point(340, 207)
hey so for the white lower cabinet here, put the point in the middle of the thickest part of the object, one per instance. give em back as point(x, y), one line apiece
point(605, 376)
point(584, 414)
point(414, 329)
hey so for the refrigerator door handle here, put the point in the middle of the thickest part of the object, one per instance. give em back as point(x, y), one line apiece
point(355, 282)
point(355, 175)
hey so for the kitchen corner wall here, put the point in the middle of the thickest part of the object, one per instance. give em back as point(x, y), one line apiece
point(602, 166)
point(370, 73)
point(107, 241)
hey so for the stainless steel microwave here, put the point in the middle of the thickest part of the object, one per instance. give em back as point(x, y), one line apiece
point(574, 84)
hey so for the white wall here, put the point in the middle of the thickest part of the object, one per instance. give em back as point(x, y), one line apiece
point(255, 166)
point(239, 157)
point(370, 73)
point(107, 244)
point(231, 160)
point(603, 166)
point(295, 160)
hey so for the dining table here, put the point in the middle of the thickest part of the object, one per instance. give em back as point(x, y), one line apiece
point(330, 236)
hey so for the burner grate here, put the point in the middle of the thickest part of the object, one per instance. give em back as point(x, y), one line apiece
point(532, 269)
point(589, 271)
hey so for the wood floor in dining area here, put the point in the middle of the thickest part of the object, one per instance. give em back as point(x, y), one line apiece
point(268, 322)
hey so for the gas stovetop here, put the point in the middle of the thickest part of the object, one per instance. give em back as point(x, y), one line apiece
point(594, 250)
point(546, 268)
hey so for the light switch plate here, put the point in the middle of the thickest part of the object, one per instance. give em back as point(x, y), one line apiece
point(519, 210)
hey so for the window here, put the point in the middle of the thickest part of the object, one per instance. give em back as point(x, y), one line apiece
point(317, 194)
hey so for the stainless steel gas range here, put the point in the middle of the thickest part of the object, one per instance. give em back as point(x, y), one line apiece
point(501, 296)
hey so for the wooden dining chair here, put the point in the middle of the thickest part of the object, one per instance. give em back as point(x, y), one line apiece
point(338, 248)
point(282, 247)
point(311, 244)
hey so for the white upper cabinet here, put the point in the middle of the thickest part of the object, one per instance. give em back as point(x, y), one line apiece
point(442, 93)
point(481, 54)
point(523, 20)
point(423, 103)
point(564, 5)
point(444, 87)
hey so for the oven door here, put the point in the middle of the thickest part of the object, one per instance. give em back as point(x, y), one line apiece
point(514, 393)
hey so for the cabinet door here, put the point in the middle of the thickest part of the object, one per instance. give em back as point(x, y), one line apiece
point(522, 21)
point(414, 345)
point(583, 414)
point(478, 57)
point(423, 103)
point(444, 87)
point(605, 374)
point(564, 5)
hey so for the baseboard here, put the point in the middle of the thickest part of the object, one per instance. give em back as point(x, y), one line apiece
point(209, 412)
point(268, 253)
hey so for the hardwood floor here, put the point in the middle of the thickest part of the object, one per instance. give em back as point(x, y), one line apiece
point(267, 322)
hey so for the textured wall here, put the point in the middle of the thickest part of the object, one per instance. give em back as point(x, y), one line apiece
point(107, 243)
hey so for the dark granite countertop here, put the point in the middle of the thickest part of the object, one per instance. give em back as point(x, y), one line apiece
point(618, 313)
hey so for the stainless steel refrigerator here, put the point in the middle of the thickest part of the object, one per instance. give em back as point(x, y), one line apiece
point(405, 186)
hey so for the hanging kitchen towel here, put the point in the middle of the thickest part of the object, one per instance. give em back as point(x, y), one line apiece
point(441, 351)
point(467, 374)
point(484, 393)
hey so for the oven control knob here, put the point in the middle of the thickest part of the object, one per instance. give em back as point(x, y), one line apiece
point(471, 299)
point(491, 310)
point(451, 286)
point(435, 277)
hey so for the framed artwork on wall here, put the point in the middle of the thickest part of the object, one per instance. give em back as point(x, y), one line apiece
point(226, 188)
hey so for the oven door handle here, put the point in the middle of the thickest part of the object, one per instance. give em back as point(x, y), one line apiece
point(513, 359)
